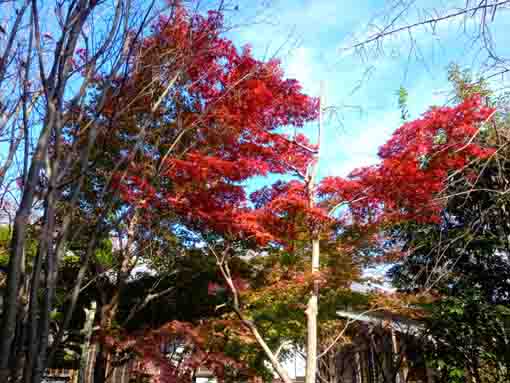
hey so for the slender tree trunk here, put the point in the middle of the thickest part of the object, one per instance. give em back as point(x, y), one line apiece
point(16, 272)
point(313, 302)
point(109, 311)
point(33, 316)
point(273, 357)
point(87, 331)
point(396, 364)
point(358, 368)
point(282, 373)
point(49, 291)
point(84, 260)
point(311, 324)
point(332, 367)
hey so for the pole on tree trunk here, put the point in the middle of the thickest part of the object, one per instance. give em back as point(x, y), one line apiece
point(313, 302)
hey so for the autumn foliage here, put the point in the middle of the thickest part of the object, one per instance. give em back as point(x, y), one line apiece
point(415, 165)
point(212, 117)
point(217, 126)
point(221, 121)
point(190, 346)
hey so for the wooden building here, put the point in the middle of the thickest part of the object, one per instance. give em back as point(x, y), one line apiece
point(386, 349)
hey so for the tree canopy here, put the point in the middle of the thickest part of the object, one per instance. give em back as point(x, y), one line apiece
point(133, 240)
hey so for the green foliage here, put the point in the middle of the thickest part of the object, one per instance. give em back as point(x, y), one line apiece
point(466, 84)
point(104, 254)
point(403, 98)
point(5, 239)
point(471, 334)
point(70, 260)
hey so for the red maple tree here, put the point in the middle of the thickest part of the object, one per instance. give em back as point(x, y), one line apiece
point(207, 117)
point(223, 116)
point(212, 119)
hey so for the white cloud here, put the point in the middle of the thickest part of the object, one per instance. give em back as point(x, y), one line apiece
point(359, 147)
point(374, 132)
point(301, 66)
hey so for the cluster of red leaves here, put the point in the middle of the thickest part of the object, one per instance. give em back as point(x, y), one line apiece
point(285, 211)
point(303, 279)
point(198, 345)
point(414, 167)
point(134, 188)
point(231, 106)
point(405, 185)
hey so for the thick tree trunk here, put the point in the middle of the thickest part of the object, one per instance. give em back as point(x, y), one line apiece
point(107, 315)
point(18, 363)
point(100, 364)
point(13, 297)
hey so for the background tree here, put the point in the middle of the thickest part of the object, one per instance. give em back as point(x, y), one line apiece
point(463, 256)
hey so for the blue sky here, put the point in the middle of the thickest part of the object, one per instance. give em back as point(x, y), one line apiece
point(308, 36)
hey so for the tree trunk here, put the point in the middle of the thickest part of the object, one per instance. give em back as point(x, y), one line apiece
point(396, 358)
point(19, 353)
point(33, 316)
point(358, 373)
point(107, 315)
point(100, 364)
point(332, 367)
point(87, 331)
point(84, 260)
point(109, 310)
point(311, 324)
point(13, 295)
point(48, 252)
point(313, 302)
point(15, 272)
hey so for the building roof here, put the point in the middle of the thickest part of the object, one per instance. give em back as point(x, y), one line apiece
point(396, 322)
